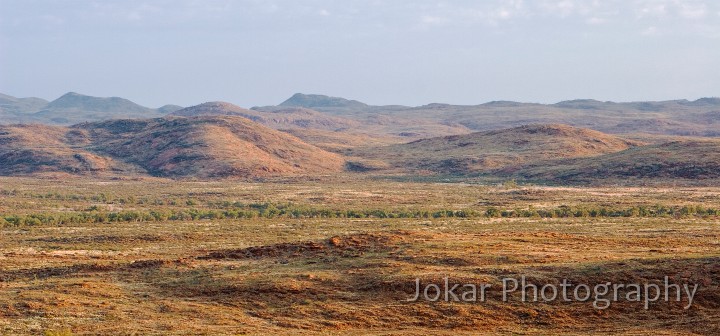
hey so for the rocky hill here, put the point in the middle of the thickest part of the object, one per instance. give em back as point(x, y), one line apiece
point(33, 149)
point(195, 147)
point(277, 118)
point(210, 147)
point(498, 150)
point(672, 161)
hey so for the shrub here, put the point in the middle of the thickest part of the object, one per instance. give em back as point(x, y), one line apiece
point(32, 221)
point(61, 332)
point(492, 212)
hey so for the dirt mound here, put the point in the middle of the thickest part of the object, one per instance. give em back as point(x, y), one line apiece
point(348, 245)
point(53, 271)
point(151, 263)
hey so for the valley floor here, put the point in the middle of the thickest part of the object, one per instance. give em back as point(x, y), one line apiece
point(324, 257)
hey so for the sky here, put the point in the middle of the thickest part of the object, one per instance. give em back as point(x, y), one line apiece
point(254, 53)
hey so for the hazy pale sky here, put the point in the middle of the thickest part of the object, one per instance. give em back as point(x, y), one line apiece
point(252, 52)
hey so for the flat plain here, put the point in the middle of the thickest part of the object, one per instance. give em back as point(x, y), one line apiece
point(340, 254)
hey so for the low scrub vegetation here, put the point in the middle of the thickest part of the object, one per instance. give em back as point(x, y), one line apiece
point(269, 211)
point(329, 257)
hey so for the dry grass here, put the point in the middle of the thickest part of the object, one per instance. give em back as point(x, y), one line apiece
point(350, 276)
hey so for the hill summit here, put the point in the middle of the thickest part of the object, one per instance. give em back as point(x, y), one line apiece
point(315, 100)
point(217, 108)
point(72, 100)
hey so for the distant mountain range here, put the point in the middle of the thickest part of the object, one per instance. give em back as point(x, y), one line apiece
point(673, 117)
point(74, 108)
point(403, 123)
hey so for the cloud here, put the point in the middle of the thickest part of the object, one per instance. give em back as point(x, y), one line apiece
point(649, 31)
point(595, 21)
point(663, 9)
point(432, 20)
point(564, 8)
point(489, 13)
point(690, 10)
point(364, 16)
point(651, 9)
